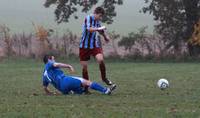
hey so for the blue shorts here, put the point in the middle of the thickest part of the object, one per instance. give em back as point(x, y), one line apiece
point(71, 83)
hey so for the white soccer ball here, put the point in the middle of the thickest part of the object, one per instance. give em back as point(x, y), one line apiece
point(163, 83)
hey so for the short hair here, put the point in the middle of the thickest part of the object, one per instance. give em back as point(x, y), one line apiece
point(99, 10)
point(46, 58)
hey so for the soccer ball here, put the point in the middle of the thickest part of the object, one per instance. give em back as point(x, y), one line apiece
point(163, 83)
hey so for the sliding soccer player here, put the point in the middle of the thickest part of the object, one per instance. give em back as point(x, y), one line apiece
point(53, 74)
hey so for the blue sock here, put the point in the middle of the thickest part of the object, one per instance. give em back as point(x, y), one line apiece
point(98, 87)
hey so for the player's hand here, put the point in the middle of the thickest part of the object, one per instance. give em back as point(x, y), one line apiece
point(56, 93)
point(51, 93)
point(71, 70)
point(107, 39)
point(101, 28)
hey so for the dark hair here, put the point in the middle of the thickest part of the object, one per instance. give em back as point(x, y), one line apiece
point(99, 10)
point(46, 58)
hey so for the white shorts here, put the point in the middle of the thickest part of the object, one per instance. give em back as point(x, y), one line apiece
point(79, 78)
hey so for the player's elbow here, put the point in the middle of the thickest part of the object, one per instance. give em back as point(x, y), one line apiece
point(56, 65)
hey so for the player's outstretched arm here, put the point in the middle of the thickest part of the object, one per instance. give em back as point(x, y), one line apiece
point(93, 29)
point(62, 65)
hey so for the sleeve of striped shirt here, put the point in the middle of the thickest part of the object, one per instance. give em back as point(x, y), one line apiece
point(88, 22)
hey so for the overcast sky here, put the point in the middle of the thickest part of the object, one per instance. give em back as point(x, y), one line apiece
point(18, 15)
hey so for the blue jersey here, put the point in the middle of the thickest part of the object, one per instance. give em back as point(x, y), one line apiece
point(52, 75)
point(63, 83)
point(89, 40)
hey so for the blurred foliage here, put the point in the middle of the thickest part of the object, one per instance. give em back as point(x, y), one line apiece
point(195, 39)
point(41, 32)
point(66, 8)
point(5, 32)
point(175, 19)
point(128, 41)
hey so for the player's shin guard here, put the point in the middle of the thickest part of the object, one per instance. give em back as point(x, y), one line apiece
point(98, 87)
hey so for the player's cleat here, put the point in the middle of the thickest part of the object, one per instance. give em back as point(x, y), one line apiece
point(113, 87)
point(110, 89)
point(108, 82)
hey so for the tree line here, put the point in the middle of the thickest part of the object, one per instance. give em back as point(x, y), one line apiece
point(176, 19)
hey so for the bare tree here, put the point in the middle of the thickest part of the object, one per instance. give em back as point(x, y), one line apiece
point(5, 31)
point(70, 41)
point(114, 38)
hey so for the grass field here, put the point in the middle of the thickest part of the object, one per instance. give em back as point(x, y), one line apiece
point(137, 95)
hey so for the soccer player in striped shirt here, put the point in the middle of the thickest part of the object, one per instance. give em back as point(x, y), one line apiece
point(90, 44)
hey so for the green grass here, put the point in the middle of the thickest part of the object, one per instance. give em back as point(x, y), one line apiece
point(137, 95)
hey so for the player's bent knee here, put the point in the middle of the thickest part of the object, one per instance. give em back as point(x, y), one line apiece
point(86, 83)
point(100, 59)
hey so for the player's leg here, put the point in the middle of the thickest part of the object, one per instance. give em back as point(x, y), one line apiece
point(85, 73)
point(69, 83)
point(65, 85)
point(84, 55)
point(102, 67)
point(84, 65)
point(96, 86)
point(102, 89)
